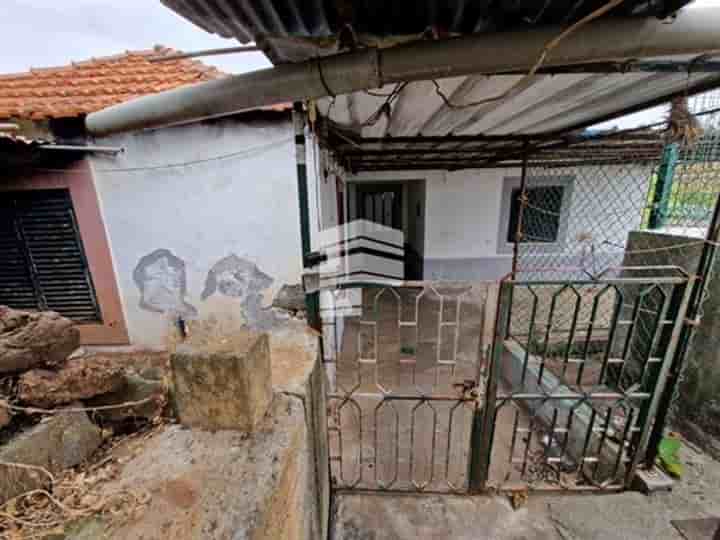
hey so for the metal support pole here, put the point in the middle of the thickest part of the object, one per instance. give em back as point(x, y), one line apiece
point(662, 381)
point(663, 187)
point(300, 158)
point(312, 300)
point(484, 420)
point(519, 231)
point(698, 290)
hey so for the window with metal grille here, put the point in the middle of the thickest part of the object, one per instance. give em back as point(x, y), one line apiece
point(541, 216)
point(42, 261)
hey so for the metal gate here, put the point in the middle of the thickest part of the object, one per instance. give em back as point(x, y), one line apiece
point(404, 369)
point(577, 372)
point(574, 376)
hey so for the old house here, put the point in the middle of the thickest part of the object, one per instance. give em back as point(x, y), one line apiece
point(124, 234)
point(544, 343)
point(491, 315)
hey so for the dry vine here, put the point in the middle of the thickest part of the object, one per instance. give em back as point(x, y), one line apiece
point(77, 495)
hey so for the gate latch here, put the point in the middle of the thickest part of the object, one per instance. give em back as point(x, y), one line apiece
point(466, 388)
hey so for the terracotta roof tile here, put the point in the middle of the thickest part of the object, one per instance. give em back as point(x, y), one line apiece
point(90, 85)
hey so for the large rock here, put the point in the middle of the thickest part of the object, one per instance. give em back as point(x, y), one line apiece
point(5, 417)
point(135, 389)
point(58, 442)
point(225, 388)
point(79, 378)
point(29, 339)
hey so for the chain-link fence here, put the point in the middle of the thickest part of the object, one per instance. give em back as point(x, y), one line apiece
point(614, 217)
point(580, 221)
point(683, 200)
point(687, 211)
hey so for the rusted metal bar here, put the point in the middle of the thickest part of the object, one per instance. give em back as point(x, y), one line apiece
point(204, 52)
point(657, 392)
point(704, 268)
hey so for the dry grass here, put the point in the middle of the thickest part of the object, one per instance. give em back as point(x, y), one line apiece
point(79, 494)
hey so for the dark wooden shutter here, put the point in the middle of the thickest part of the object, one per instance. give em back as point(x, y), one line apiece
point(44, 265)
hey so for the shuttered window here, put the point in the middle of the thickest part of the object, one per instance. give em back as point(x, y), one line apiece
point(42, 261)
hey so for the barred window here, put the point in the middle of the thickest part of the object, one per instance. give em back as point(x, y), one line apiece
point(541, 217)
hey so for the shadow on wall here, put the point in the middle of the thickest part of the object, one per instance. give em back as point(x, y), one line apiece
point(161, 278)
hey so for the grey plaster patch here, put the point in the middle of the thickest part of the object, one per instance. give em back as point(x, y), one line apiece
point(240, 278)
point(160, 277)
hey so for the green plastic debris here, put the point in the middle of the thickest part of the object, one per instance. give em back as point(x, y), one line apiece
point(668, 457)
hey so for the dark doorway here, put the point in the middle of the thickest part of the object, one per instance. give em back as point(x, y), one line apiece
point(380, 203)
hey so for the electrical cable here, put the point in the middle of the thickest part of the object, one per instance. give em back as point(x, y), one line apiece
point(538, 63)
point(242, 153)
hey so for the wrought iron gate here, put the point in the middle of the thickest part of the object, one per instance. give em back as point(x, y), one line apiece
point(405, 375)
point(574, 376)
point(577, 372)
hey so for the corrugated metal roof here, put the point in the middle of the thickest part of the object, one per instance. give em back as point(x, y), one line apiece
point(543, 104)
point(365, 124)
point(294, 30)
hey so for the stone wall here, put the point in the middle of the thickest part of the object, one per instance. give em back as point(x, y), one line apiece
point(211, 482)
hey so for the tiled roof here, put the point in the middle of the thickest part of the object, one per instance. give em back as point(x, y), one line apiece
point(84, 87)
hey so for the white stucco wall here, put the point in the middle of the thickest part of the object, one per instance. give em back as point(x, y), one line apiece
point(244, 205)
point(463, 214)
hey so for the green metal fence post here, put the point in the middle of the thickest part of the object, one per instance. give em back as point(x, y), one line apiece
point(312, 301)
point(663, 187)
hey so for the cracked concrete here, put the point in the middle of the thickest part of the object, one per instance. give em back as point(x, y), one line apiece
point(622, 516)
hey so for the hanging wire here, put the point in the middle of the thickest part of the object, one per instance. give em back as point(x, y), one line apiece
point(248, 152)
point(538, 63)
point(385, 108)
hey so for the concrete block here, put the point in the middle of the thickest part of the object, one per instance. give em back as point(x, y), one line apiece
point(58, 442)
point(652, 480)
point(226, 388)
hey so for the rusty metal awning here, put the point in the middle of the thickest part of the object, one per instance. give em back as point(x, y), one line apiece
point(294, 30)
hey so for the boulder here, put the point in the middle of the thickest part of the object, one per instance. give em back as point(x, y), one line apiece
point(58, 442)
point(136, 388)
point(29, 339)
point(223, 389)
point(290, 298)
point(80, 378)
point(5, 416)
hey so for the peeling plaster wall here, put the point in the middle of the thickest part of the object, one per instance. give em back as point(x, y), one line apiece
point(231, 222)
